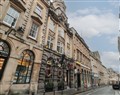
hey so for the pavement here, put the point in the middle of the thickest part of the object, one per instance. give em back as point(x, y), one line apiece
point(107, 90)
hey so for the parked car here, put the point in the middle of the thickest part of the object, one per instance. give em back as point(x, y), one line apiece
point(116, 86)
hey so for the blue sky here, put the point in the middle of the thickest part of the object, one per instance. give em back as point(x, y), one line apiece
point(97, 22)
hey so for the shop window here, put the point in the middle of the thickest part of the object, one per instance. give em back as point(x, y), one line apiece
point(4, 55)
point(24, 68)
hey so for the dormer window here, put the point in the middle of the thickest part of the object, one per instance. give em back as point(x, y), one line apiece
point(38, 10)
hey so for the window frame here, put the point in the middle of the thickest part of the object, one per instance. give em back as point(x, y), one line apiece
point(28, 71)
point(50, 41)
point(36, 31)
point(38, 8)
point(7, 14)
point(52, 25)
point(60, 46)
point(7, 49)
point(61, 32)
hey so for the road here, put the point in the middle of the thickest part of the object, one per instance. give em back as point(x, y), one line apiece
point(102, 91)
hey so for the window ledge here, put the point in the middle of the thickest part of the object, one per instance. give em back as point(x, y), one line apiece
point(38, 15)
point(37, 19)
point(32, 38)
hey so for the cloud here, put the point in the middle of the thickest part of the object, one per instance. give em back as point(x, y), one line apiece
point(113, 40)
point(114, 3)
point(93, 22)
point(111, 60)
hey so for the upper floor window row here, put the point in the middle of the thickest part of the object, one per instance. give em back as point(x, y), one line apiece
point(12, 15)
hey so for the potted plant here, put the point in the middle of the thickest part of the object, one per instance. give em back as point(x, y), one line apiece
point(49, 86)
point(60, 85)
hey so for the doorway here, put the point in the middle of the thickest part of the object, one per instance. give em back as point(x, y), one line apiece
point(78, 80)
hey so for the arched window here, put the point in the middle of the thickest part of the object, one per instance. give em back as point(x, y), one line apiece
point(4, 55)
point(24, 68)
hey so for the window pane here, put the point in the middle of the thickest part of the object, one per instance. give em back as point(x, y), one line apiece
point(34, 30)
point(52, 25)
point(1, 62)
point(28, 80)
point(38, 10)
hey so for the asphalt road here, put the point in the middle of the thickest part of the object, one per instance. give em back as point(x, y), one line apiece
point(102, 91)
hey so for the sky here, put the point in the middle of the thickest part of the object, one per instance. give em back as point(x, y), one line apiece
point(97, 22)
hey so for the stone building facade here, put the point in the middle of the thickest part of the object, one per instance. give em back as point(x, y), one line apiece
point(113, 76)
point(82, 65)
point(22, 28)
point(95, 69)
point(39, 51)
point(58, 44)
point(100, 75)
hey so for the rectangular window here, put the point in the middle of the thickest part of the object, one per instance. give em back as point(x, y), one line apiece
point(77, 54)
point(11, 15)
point(33, 31)
point(52, 25)
point(68, 49)
point(60, 47)
point(50, 42)
point(38, 10)
point(61, 32)
point(80, 56)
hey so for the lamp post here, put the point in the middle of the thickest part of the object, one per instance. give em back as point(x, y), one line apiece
point(10, 29)
point(63, 65)
point(54, 66)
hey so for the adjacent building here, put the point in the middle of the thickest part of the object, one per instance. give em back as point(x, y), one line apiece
point(95, 61)
point(57, 63)
point(113, 76)
point(82, 65)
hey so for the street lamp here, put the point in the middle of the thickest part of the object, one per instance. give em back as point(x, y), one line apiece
point(10, 29)
point(63, 65)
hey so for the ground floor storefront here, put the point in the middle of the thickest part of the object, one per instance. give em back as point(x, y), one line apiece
point(56, 72)
point(82, 77)
point(19, 66)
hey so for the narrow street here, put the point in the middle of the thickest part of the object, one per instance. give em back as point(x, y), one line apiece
point(102, 91)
